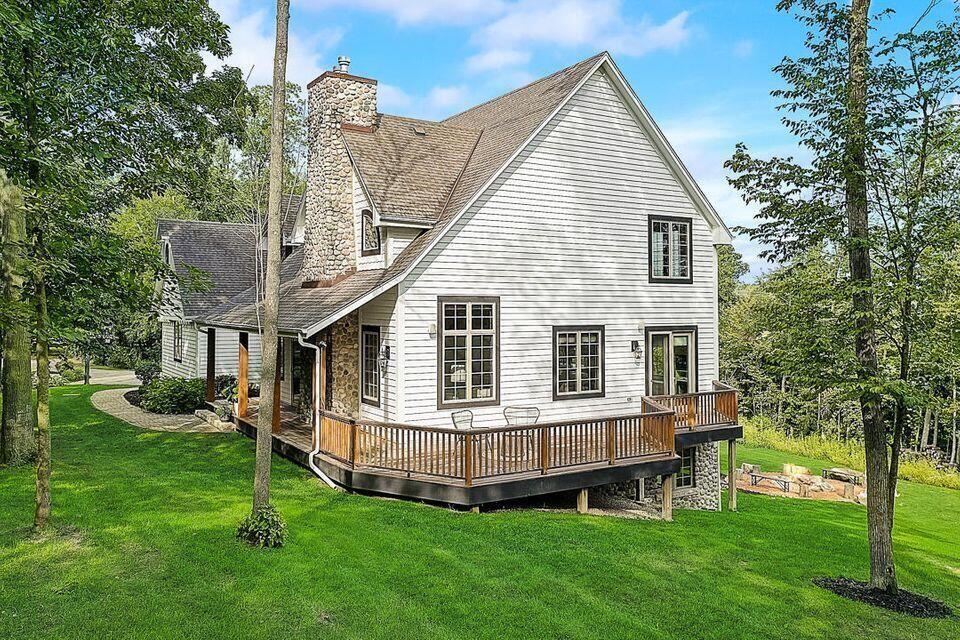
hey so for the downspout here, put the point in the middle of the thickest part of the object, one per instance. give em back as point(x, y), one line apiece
point(316, 414)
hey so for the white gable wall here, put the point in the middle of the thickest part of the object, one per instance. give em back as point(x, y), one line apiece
point(562, 237)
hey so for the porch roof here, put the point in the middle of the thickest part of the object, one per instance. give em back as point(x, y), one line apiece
point(302, 309)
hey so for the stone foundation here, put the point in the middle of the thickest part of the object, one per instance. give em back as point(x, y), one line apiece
point(704, 495)
point(345, 365)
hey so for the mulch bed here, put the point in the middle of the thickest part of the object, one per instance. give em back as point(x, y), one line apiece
point(133, 397)
point(906, 602)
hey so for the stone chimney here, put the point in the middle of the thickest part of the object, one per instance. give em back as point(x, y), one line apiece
point(336, 100)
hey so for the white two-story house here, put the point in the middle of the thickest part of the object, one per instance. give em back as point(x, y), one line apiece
point(518, 300)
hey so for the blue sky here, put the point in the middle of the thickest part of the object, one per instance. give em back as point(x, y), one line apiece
point(703, 69)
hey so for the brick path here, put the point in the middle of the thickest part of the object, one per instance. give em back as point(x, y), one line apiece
point(112, 401)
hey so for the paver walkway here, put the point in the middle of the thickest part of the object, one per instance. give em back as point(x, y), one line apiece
point(112, 401)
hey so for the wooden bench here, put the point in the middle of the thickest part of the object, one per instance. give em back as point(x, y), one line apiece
point(840, 473)
point(757, 478)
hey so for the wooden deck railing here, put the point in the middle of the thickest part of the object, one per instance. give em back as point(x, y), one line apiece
point(704, 409)
point(479, 454)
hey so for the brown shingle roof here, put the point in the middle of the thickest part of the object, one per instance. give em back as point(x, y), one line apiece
point(409, 166)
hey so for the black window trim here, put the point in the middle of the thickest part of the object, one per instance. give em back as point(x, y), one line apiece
point(666, 279)
point(691, 328)
point(693, 470)
point(177, 341)
point(603, 368)
point(373, 329)
point(363, 224)
point(466, 404)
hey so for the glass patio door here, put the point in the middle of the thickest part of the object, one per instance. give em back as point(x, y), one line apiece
point(671, 362)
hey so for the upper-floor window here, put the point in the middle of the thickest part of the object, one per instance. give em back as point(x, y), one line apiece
point(178, 342)
point(369, 233)
point(468, 351)
point(671, 249)
point(577, 362)
point(370, 365)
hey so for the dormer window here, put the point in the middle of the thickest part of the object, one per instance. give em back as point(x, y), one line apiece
point(369, 234)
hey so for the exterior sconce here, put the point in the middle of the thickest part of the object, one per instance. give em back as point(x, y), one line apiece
point(432, 330)
point(637, 350)
point(384, 357)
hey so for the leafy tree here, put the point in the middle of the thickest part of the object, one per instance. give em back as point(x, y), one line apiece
point(101, 100)
point(880, 188)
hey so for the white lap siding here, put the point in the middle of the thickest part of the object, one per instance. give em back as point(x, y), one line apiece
point(228, 354)
point(382, 313)
point(561, 238)
point(186, 367)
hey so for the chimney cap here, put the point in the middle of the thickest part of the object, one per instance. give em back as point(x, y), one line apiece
point(343, 64)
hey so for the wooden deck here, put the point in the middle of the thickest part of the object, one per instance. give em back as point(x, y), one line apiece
point(485, 464)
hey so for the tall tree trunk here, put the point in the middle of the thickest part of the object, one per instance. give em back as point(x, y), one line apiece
point(879, 517)
point(41, 514)
point(925, 434)
point(953, 420)
point(18, 444)
point(936, 431)
point(271, 297)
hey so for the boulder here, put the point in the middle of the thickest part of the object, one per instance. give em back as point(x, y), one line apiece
point(790, 469)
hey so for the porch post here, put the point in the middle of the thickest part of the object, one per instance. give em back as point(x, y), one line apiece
point(243, 375)
point(315, 400)
point(211, 390)
point(275, 427)
point(667, 501)
point(732, 475)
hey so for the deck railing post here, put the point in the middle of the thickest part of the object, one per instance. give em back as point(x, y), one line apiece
point(612, 440)
point(468, 460)
point(243, 374)
point(544, 449)
point(354, 436)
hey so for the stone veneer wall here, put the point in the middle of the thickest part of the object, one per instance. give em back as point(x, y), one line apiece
point(706, 494)
point(345, 341)
point(329, 244)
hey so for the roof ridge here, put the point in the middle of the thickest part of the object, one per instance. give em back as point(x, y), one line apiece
point(436, 123)
point(180, 221)
point(526, 86)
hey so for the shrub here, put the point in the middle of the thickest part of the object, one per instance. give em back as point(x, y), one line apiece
point(848, 454)
point(147, 371)
point(263, 528)
point(173, 395)
point(226, 387)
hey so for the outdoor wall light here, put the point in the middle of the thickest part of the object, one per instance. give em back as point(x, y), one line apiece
point(432, 330)
point(384, 357)
point(636, 349)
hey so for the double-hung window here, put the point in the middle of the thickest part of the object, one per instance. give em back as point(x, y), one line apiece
point(578, 362)
point(671, 249)
point(685, 476)
point(370, 360)
point(468, 351)
point(178, 341)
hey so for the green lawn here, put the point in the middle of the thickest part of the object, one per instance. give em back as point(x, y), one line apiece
point(145, 549)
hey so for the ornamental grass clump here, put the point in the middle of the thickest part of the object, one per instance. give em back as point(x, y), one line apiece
point(263, 528)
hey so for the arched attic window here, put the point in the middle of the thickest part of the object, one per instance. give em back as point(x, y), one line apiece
point(369, 233)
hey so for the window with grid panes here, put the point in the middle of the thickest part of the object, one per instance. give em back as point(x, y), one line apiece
point(670, 249)
point(370, 371)
point(578, 361)
point(468, 351)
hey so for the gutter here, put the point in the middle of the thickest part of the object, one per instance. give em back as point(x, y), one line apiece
point(316, 415)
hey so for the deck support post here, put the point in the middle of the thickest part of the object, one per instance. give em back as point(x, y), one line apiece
point(243, 375)
point(210, 393)
point(275, 426)
point(583, 501)
point(732, 475)
point(666, 506)
point(475, 509)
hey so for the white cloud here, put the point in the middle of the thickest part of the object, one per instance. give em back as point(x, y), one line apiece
point(599, 24)
point(408, 12)
point(496, 59)
point(743, 48)
point(252, 37)
point(447, 98)
point(392, 99)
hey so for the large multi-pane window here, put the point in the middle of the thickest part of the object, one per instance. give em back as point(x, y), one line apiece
point(178, 342)
point(468, 351)
point(369, 234)
point(685, 476)
point(671, 249)
point(578, 362)
point(370, 356)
